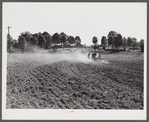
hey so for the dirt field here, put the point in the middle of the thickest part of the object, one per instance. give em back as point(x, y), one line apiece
point(68, 80)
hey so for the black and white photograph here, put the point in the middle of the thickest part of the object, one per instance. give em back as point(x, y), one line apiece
point(74, 60)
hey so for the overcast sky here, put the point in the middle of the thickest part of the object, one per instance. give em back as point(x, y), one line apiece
point(83, 19)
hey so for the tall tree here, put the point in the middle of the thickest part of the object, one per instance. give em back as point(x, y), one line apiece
point(27, 35)
point(142, 45)
point(94, 40)
point(110, 40)
point(112, 37)
point(103, 41)
point(71, 40)
point(63, 34)
point(55, 40)
point(112, 33)
point(124, 43)
point(63, 38)
point(134, 42)
point(78, 41)
point(22, 43)
point(9, 42)
point(34, 41)
point(41, 41)
point(129, 42)
point(48, 39)
point(36, 35)
point(118, 40)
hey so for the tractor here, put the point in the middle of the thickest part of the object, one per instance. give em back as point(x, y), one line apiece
point(94, 55)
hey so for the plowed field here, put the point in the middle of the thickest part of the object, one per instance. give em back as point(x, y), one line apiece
point(71, 81)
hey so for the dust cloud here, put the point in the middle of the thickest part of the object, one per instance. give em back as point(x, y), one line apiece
point(46, 56)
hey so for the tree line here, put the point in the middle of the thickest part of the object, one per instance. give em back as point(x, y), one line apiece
point(116, 40)
point(43, 40)
point(47, 41)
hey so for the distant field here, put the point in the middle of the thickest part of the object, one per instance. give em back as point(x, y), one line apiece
point(68, 80)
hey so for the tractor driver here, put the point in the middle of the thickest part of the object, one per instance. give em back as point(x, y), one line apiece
point(95, 47)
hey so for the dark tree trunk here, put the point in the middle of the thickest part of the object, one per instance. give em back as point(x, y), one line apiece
point(54, 47)
point(142, 48)
point(63, 46)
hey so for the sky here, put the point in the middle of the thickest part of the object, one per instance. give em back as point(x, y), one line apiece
point(76, 19)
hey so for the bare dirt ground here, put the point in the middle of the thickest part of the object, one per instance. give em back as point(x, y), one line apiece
point(68, 80)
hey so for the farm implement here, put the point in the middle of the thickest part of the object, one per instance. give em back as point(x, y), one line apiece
point(95, 55)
